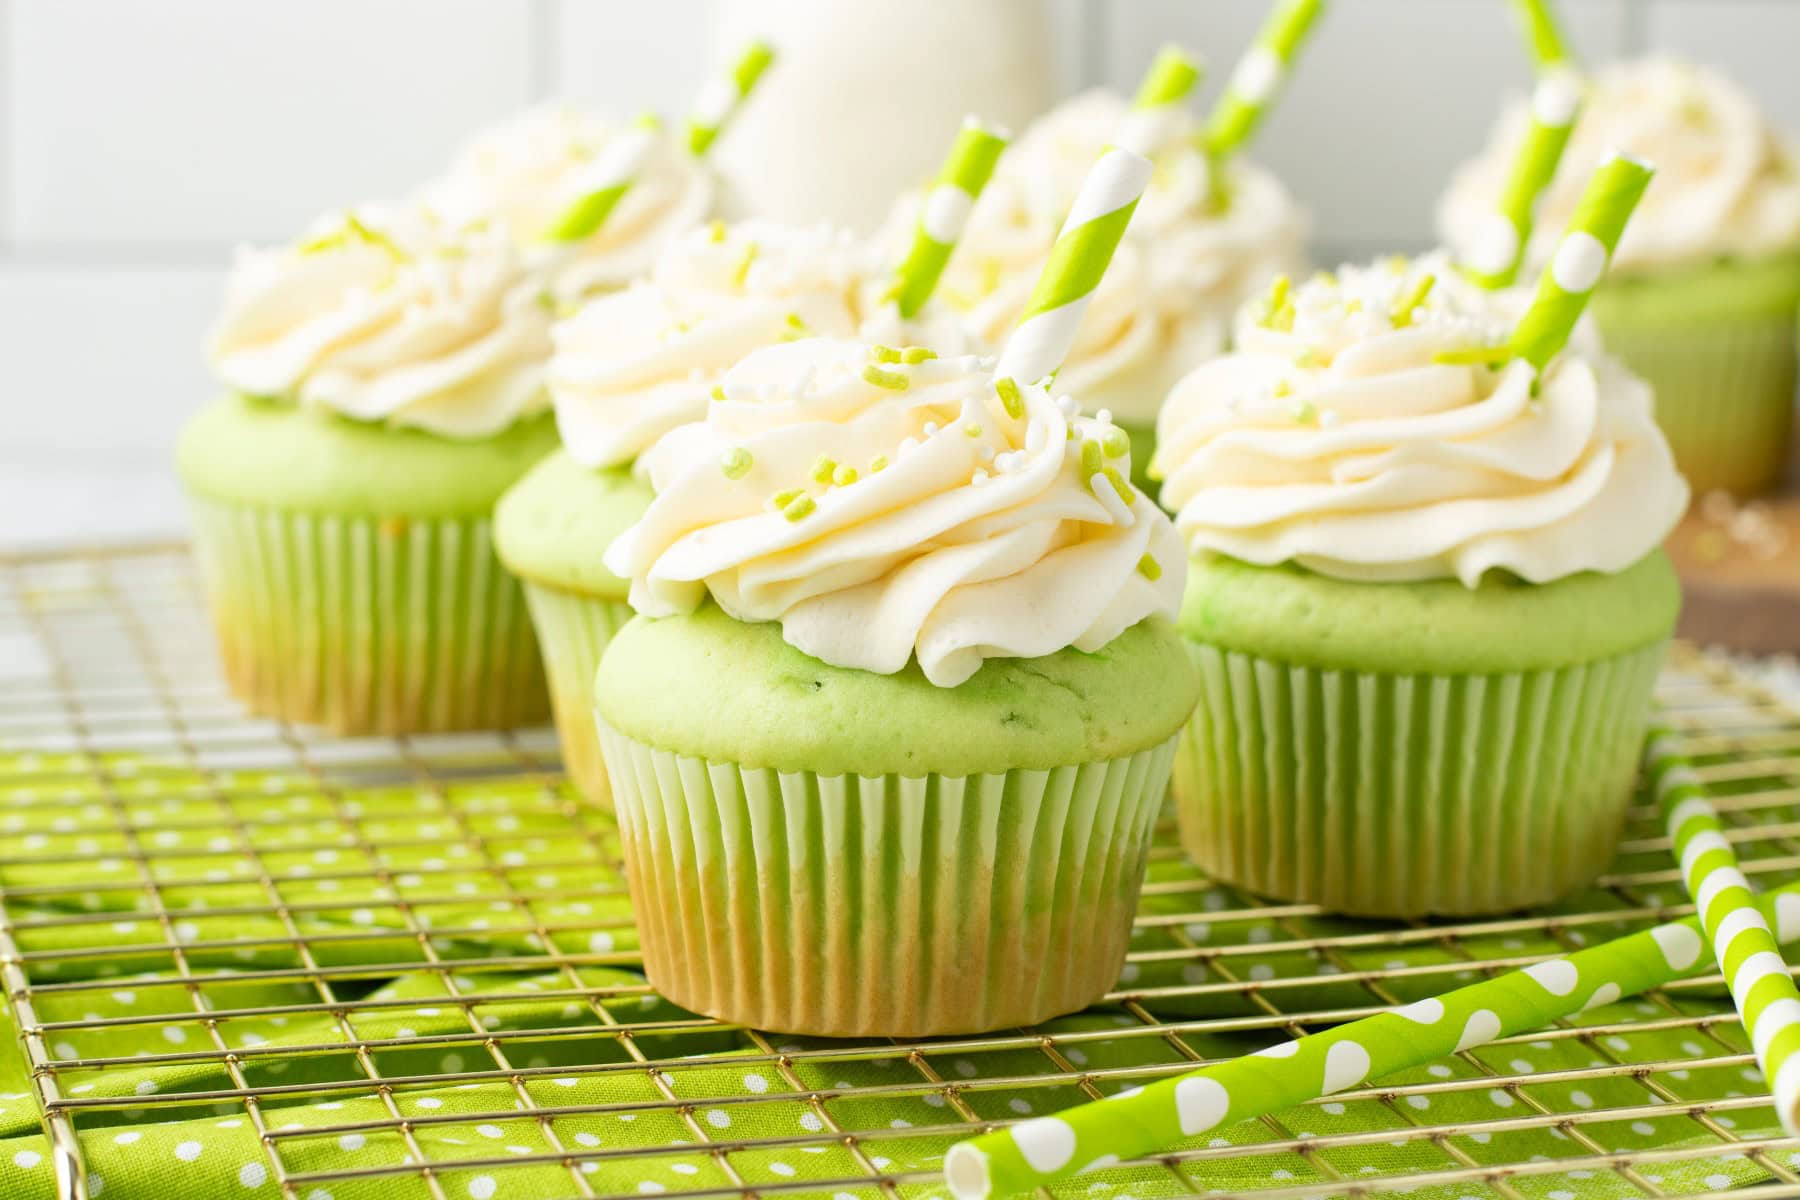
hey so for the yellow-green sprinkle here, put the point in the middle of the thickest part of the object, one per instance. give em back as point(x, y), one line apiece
point(718, 391)
point(972, 430)
point(1011, 399)
point(917, 354)
point(896, 381)
point(1309, 357)
point(1093, 459)
point(822, 468)
point(1305, 413)
point(1278, 311)
point(1411, 299)
point(742, 272)
point(844, 476)
point(885, 354)
point(1149, 568)
point(715, 230)
point(1127, 493)
point(1475, 356)
point(798, 507)
point(796, 328)
point(783, 499)
point(1116, 442)
point(1283, 388)
point(736, 463)
point(878, 463)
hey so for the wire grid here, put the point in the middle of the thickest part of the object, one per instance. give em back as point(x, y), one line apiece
point(106, 655)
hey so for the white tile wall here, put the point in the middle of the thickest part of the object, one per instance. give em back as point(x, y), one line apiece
point(140, 138)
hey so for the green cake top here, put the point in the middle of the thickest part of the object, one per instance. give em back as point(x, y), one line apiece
point(1434, 626)
point(274, 454)
point(554, 525)
point(710, 686)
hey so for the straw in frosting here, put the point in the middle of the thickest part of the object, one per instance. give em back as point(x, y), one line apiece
point(1258, 78)
point(1543, 33)
point(1499, 246)
point(720, 100)
point(1151, 123)
point(1160, 1115)
point(1742, 941)
point(945, 212)
point(604, 182)
point(1580, 259)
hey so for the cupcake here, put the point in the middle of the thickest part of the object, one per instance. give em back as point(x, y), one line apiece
point(1426, 599)
point(1703, 294)
point(1187, 262)
point(629, 368)
point(385, 383)
point(889, 737)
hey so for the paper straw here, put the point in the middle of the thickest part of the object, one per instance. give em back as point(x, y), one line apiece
point(1499, 245)
point(1580, 260)
point(719, 100)
point(604, 182)
point(1151, 123)
point(1034, 1153)
point(1549, 48)
point(1258, 77)
point(1083, 248)
point(1730, 914)
point(946, 210)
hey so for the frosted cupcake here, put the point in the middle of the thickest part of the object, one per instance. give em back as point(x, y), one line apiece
point(888, 743)
point(1426, 600)
point(385, 380)
point(1703, 294)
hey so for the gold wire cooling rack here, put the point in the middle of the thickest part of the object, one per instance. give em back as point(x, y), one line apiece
point(259, 878)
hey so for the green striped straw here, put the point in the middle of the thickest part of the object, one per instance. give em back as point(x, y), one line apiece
point(720, 100)
point(1734, 922)
point(606, 180)
point(1172, 78)
point(1499, 246)
point(1580, 260)
point(946, 211)
point(1256, 80)
point(1549, 48)
point(1089, 236)
point(1160, 1115)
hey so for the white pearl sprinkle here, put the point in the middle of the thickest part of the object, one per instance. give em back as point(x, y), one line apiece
point(1329, 418)
point(1068, 406)
point(931, 429)
point(1104, 416)
point(985, 454)
point(908, 446)
point(979, 479)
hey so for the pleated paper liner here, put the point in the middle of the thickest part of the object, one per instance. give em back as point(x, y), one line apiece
point(1724, 394)
point(1401, 795)
point(368, 625)
point(573, 630)
point(848, 906)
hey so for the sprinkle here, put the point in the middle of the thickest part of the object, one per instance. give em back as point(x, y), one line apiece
point(1278, 310)
point(985, 453)
point(1149, 568)
point(796, 328)
point(1011, 399)
point(715, 230)
point(908, 446)
point(783, 499)
point(896, 381)
point(800, 506)
point(1104, 416)
point(884, 354)
point(1305, 413)
point(1308, 357)
point(736, 463)
point(1329, 418)
point(972, 430)
point(1116, 443)
point(1127, 493)
point(1092, 459)
point(844, 476)
point(931, 429)
point(979, 479)
point(718, 392)
point(1282, 388)
point(878, 464)
point(1410, 299)
point(917, 354)
point(1475, 356)
point(1068, 406)
point(743, 268)
point(822, 468)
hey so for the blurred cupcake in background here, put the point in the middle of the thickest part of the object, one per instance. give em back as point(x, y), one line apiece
point(632, 366)
point(385, 383)
point(1211, 230)
point(1703, 295)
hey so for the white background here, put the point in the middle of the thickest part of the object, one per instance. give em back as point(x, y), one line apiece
point(141, 139)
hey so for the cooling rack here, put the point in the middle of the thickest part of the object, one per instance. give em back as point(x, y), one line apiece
point(407, 967)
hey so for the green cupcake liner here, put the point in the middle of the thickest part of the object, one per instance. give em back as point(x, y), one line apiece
point(368, 625)
point(1402, 795)
point(573, 630)
point(1724, 394)
point(852, 906)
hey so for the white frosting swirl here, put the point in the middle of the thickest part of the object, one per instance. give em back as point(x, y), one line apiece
point(1346, 446)
point(525, 172)
point(389, 315)
point(1725, 181)
point(965, 534)
point(1166, 300)
point(631, 366)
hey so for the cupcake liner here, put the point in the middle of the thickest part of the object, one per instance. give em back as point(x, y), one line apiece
point(1724, 393)
point(368, 625)
point(573, 630)
point(1401, 795)
point(846, 905)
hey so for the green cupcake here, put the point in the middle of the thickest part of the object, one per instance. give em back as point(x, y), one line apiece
point(1703, 297)
point(1425, 598)
point(888, 741)
point(385, 380)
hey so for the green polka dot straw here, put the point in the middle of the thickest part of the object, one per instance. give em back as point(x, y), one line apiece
point(1145, 1120)
point(605, 181)
point(945, 212)
point(1742, 941)
point(1580, 259)
point(720, 100)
